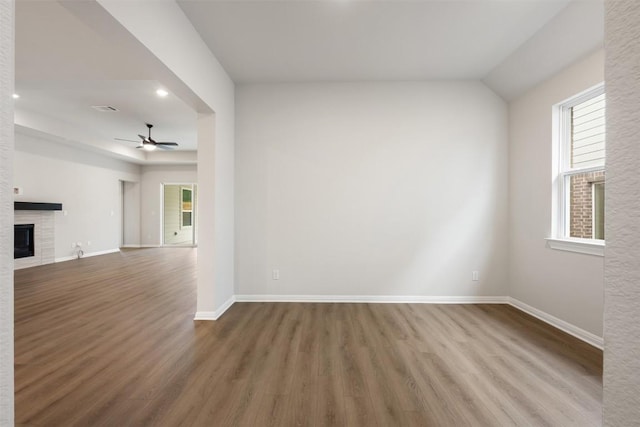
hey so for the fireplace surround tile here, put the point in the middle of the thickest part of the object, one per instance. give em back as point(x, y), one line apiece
point(44, 237)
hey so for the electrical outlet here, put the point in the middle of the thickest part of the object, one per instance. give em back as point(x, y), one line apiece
point(73, 245)
point(275, 274)
point(475, 275)
point(88, 242)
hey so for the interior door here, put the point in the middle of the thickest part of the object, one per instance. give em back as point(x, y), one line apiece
point(179, 214)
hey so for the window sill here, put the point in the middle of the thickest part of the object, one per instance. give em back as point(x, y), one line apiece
point(583, 246)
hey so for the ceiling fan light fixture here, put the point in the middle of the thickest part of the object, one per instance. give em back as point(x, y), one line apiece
point(149, 144)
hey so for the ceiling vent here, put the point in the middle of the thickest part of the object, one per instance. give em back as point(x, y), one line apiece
point(104, 108)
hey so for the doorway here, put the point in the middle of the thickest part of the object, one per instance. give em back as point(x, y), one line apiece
point(130, 214)
point(179, 214)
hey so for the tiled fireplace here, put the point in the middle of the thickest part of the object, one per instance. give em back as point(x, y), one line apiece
point(42, 217)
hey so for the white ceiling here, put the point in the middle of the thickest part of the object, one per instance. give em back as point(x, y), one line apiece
point(65, 66)
point(70, 57)
point(137, 103)
point(572, 34)
point(343, 40)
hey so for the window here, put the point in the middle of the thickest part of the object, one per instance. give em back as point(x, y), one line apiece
point(579, 168)
point(186, 207)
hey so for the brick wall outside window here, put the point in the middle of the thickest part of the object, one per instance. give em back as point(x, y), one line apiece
point(581, 204)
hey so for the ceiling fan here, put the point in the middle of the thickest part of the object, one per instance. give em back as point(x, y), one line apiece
point(150, 144)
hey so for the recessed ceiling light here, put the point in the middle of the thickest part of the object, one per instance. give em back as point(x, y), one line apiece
point(16, 96)
point(162, 93)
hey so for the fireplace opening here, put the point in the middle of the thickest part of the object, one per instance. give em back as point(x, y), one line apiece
point(23, 240)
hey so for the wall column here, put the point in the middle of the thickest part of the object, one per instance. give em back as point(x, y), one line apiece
point(206, 210)
point(7, 43)
point(621, 403)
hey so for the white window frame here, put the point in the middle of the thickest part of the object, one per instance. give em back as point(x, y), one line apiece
point(561, 174)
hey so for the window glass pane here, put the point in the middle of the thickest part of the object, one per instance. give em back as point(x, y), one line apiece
point(586, 205)
point(186, 199)
point(598, 210)
point(588, 133)
point(186, 219)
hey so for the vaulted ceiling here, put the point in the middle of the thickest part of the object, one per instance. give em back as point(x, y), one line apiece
point(66, 64)
point(293, 41)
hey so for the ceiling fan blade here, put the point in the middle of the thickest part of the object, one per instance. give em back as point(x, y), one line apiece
point(128, 140)
point(150, 144)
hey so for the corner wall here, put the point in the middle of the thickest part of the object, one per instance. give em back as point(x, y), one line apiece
point(168, 34)
point(566, 285)
point(371, 189)
point(621, 403)
point(7, 22)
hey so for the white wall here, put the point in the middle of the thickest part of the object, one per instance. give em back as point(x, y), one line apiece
point(152, 178)
point(371, 189)
point(87, 185)
point(566, 285)
point(163, 28)
point(7, 22)
point(621, 405)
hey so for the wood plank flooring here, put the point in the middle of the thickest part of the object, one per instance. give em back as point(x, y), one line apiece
point(111, 341)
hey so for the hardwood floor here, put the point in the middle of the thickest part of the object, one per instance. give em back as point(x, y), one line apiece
point(111, 341)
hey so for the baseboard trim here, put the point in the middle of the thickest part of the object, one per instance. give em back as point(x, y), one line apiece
point(205, 315)
point(382, 299)
point(156, 246)
point(215, 315)
point(87, 255)
point(567, 327)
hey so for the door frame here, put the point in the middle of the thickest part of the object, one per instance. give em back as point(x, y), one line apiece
point(193, 185)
